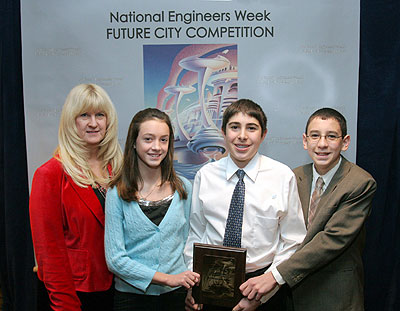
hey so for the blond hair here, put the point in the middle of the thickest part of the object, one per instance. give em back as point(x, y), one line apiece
point(72, 151)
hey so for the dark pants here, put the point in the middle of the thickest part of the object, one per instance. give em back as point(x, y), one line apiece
point(276, 303)
point(43, 301)
point(96, 301)
point(172, 301)
point(93, 301)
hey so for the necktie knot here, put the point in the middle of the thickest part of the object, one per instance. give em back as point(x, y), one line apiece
point(240, 174)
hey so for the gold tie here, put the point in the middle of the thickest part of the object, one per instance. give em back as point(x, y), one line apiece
point(316, 196)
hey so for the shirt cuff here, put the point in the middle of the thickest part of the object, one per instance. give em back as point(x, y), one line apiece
point(267, 296)
point(278, 277)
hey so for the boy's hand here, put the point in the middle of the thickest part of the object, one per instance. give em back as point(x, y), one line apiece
point(246, 305)
point(190, 304)
point(258, 286)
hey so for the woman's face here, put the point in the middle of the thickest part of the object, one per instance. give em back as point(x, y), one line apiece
point(152, 142)
point(91, 126)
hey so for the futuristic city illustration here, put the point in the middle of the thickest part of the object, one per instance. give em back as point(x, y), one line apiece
point(193, 84)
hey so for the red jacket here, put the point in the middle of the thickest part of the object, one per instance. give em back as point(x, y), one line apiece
point(67, 223)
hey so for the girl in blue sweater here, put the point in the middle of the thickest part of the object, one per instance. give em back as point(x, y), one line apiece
point(147, 220)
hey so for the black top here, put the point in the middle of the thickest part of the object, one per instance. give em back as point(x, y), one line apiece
point(101, 196)
point(156, 210)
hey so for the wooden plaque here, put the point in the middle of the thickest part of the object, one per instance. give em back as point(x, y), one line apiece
point(222, 271)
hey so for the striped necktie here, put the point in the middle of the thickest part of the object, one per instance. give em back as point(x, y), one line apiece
point(316, 196)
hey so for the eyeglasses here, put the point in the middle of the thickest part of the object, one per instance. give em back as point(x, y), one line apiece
point(329, 137)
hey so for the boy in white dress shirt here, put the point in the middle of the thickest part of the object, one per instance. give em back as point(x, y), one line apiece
point(272, 224)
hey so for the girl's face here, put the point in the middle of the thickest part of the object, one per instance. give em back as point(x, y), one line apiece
point(152, 142)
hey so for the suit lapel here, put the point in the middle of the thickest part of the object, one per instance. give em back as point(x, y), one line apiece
point(89, 198)
point(304, 179)
point(324, 208)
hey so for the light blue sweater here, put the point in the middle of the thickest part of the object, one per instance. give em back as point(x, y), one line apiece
point(136, 248)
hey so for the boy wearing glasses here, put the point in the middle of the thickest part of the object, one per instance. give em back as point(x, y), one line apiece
point(326, 272)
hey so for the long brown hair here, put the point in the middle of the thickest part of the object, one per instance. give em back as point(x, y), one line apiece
point(128, 180)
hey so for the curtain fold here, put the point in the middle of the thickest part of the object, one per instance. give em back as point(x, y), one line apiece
point(378, 143)
point(16, 251)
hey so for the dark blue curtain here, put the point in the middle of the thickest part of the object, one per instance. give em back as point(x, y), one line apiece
point(16, 253)
point(378, 148)
point(378, 151)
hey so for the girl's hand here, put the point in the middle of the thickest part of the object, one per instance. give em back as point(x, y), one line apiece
point(186, 279)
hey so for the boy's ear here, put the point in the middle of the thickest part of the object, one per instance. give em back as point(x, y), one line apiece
point(264, 134)
point(346, 142)
point(305, 146)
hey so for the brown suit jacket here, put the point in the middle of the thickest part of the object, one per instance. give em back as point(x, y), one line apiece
point(326, 272)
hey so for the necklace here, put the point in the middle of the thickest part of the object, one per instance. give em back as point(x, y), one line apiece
point(102, 190)
point(156, 185)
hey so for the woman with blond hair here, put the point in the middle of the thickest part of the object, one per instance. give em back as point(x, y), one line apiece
point(67, 203)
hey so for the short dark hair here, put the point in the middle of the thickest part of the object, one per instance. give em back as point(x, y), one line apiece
point(128, 181)
point(329, 113)
point(248, 107)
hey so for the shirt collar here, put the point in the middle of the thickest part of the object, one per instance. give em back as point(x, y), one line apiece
point(251, 169)
point(328, 176)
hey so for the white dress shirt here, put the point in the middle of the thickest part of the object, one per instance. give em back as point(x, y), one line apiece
point(273, 223)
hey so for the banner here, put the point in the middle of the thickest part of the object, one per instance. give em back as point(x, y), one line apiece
point(192, 59)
